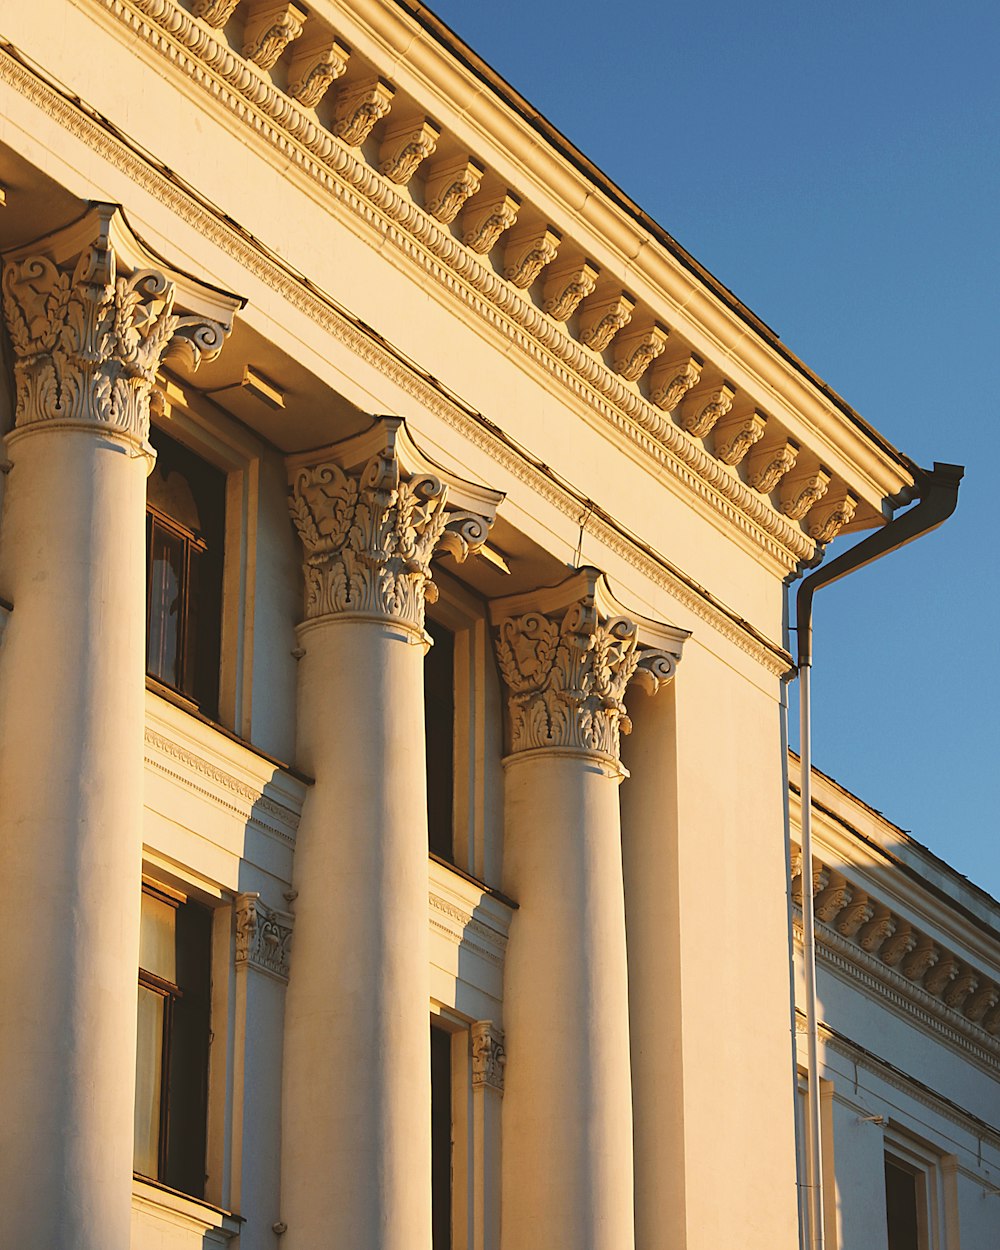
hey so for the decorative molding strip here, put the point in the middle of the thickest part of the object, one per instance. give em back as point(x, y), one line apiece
point(489, 1055)
point(69, 114)
point(920, 1093)
point(886, 949)
point(263, 936)
point(253, 805)
point(462, 928)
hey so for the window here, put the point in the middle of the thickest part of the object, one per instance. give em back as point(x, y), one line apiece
point(905, 1203)
point(185, 527)
point(441, 1139)
point(171, 1068)
point(439, 735)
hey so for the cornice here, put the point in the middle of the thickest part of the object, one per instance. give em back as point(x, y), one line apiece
point(75, 117)
point(862, 936)
point(456, 267)
point(913, 1088)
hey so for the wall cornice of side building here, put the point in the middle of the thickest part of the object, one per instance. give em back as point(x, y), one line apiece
point(636, 339)
point(894, 918)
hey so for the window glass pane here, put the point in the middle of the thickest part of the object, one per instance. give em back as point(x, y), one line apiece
point(902, 1194)
point(157, 945)
point(166, 584)
point(441, 1139)
point(439, 730)
point(148, 1081)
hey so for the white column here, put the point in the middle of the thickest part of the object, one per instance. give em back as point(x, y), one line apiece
point(567, 655)
point(355, 1162)
point(87, 341)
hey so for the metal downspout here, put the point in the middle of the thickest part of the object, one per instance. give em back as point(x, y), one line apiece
point(938, 491)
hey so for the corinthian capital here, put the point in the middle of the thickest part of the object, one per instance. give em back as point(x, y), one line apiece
point(567, 654)
point(371, 511)
point(92, 314)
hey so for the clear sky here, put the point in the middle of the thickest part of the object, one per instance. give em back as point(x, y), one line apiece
point(838, 167)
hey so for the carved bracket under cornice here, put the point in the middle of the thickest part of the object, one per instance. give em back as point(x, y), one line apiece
point(405, 145)
point(489, 1056)
point(371, 511)
point(263, 936)
point(92, 313)
point(313, 65)
point(449, 184)
point(487, 217)
point(359, 107)
point(270, 28)
point(886, 936)
point(567, 654)
point(566, 284)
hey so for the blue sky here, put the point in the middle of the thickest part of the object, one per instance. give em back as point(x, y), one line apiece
point(838, 167)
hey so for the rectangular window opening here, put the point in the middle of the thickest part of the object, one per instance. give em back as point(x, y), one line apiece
point(441, 1139)
point(185, 510)
point(905, 1203)
point(439, 735)
point(172, 1045)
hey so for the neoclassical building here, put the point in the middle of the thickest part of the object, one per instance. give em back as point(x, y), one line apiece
point(397, 843)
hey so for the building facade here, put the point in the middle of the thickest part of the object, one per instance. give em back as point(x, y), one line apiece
point(395, 537)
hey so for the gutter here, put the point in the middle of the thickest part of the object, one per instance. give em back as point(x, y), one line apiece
point(938, 496)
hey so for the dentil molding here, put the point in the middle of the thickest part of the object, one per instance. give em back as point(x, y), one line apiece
point(371, 511)
point(92, 314)
point(567, 654)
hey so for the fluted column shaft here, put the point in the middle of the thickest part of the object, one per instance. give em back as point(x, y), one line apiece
point(87, 342)
point(567, 1113)
point(355, 1160)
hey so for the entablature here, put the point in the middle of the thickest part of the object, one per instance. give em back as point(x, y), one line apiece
point(455, 177)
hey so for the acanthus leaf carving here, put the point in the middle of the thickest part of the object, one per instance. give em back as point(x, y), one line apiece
point(920, 959)
point(800, 491)
point(88, 339)
point(704, 406)
point(270, 28)
point(370, 530)
point(601, 319)
point(898, 945)
point(486, 218)
point(829, 902)
point(857, 913)
point(405, 146)
point(960, 989)
point(827, 519)
point(980, 1001)
point(528, 252)
point(636, 349)
point(942, 974)
point(449, 185)
point(567, 663)
point(215, 12)
point(734, 439)
point(263, 936)
point(313, 66)
point(769, 463)
point(566, 285)
point(671, 381)
point(878, 930)
point(360, 107)
point(489, 1055)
